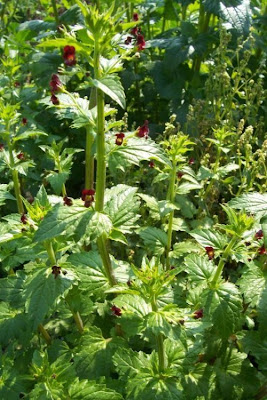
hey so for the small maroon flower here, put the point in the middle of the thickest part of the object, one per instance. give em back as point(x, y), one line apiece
point(2, 147)
point(88, 197)
point(151, 164)
point(135, 17)
point(259, 234)
point(55, 84)
point(54, 100)
point(262, 250)
point(179, 174)
point(116, 311)
point(129, 283)
point(181, 321)
point(198, 314)
point(143, 130)
point(119, 138)
point(56, 271)
point(191, 161)
point(69, 55)
point(210, 252)
point(24, 121)
point(24, 219)
point(141, 43)
point(135, 31)
point(67, 201)
point(16, 84)
point(128, 40)
point(21, 156)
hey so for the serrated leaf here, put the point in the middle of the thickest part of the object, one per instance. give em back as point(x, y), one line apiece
point(56, 180)
point(29, 134)
point(209, 238)
point(199, 269)
point(111, 85)
point(13, 325)
point(155, 239)
point(223, 305)
point(252, 283)
point(100, 224)
point(122, 207)
point(61, 219)
point(11, 289)
point(42, 290)
point(133, 303)
point(89, 390)
point(184, 247)
point(4, 194)
point(251, 202)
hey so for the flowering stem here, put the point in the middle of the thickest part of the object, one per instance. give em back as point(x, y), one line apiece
point(170, 197)
point(45, 334)
point(89, 160)
point(55, 11)
point(223, 259)
point(53, 261)
point(15, 176)
point(101, 165)
point(160, 342)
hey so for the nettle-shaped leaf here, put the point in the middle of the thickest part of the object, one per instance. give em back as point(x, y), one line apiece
point(90, 390)
point(42, 291)
point(139, 372)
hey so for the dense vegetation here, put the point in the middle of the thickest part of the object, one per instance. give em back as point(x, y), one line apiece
point(133, 231)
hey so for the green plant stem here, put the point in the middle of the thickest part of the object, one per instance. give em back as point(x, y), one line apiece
point(54, 5)
point(101, 166)
point(127, 11)
point(53, 261)
point(223, 259)
point(45, 334)
point(170, 197)
point(15, 177)
point(89, 160)
point(160, 342)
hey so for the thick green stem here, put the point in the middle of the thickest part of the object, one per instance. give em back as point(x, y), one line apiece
point(45, 334)
point(223, 259)
point(53, 261)
point(15, 177)
point(89, 160)
point(170, 197)
point(101, 166)
point(160, 342)
point(54, 5)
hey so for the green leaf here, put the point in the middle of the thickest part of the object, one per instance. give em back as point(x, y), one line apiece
point(29, 134)
point(42, 290)
point(94, 356)
point(11, 289)
point(111, 85)
point(4, 194)
point(136, 150)
point(122, 207)
point(56, 180)
point(179, 249)
point(89, 390)
point(133, 303)
point(199, 269)
point(155, 239)
point(13, 325)
point(263, 222)
point(223, 305)
point(208, 237)
point(251, 202)
point(256, 345)
point(100, 224)
point(252, 283)
point(61, 220)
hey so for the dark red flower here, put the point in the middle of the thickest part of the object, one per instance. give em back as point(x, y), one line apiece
point(198, 314)
point(259, 234)
point(262, 250)
point(54, 100)
point(141, 44)
point(20, 156)
point(16, 84)
point(67, 201)
point(88, 197)
point(2, 147)
point(24, 219)
point(116, 311)
point(179, 174)
point(69, 55)
point(119, 138)
point(129, 283)
point(135, 17)
point(55, 84)
point(151, 164)
point(128, 40)
point(135, 31)
point(56, 271)
point(143, 130)
point(191, 161)
point(210, 252)
point(24, 121)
